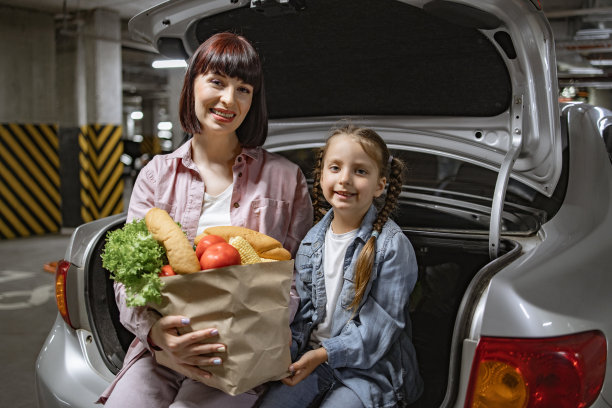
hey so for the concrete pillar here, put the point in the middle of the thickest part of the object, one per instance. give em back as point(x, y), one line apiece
point(90, 119)
point(27, 66)
point(29, 161)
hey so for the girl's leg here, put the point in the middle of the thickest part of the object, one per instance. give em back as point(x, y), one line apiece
point(341, 396)
point(145, 384)
point(194, 394)
point(306, 393)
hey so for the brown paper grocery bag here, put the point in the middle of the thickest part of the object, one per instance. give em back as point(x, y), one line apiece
point(249, 305)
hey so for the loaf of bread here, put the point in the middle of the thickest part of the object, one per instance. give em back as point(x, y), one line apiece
point(165, 230)
point(266, 246)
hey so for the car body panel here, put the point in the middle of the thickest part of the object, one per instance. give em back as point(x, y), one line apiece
point(537, 295)
point(61, 369)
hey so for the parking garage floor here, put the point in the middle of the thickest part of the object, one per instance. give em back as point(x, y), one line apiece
point(27, 312)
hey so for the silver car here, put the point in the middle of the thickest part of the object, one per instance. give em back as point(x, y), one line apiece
point(507, 201)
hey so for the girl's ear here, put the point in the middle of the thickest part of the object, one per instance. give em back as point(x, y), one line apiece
point(382, 182)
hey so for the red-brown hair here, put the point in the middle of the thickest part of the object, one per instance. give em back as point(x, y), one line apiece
point(234, 56)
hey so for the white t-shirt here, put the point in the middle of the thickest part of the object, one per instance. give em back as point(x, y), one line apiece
point(333, 261)
point(216, 210)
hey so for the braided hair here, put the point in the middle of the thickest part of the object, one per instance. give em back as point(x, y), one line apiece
point(390, 167)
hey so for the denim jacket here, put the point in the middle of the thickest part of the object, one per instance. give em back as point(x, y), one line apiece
point(372, 353)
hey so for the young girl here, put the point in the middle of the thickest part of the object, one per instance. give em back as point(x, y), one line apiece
point(355, 272)
point(221, 176)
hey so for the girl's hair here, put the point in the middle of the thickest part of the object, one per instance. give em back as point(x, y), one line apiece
point(389, 167)
point(232, 55)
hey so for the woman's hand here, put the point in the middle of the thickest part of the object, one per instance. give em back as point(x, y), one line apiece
point(184, 353)
point(305, 365)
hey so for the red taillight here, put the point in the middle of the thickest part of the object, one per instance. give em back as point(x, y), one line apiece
point(60, 290)
point(559, 372)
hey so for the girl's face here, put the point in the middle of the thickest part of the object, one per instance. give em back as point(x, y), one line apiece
point(350, 178)
point(221, 102)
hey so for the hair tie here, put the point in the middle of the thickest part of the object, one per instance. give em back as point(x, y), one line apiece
point(375, 234)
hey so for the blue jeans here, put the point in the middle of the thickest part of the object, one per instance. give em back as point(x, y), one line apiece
point(320, 389)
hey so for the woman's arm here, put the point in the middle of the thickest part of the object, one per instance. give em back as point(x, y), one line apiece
point(367, 338)
point(143, 194)
point(301, 215)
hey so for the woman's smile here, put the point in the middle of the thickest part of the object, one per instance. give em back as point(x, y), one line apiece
point(223, 115)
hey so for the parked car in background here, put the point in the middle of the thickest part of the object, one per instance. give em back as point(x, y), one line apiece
point(507, 200)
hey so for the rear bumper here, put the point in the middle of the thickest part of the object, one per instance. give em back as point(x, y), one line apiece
point(64, 377)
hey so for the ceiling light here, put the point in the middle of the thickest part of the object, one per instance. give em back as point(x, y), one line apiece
point(136, 115)
point(164, 126)
point(593, 34)
point(169, 64)
point(585, 71)
point(601, 62)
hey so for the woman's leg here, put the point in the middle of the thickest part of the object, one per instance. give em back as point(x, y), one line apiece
point(194, 394)
point(145, 384)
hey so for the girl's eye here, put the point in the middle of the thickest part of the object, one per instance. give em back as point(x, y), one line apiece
point(215, 82)
point(362, 172)
point(244, 89)
point(333, 167)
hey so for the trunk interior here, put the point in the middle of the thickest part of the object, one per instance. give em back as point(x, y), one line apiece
point(447, 265)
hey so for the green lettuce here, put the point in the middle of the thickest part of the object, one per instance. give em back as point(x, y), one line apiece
point(134, 258)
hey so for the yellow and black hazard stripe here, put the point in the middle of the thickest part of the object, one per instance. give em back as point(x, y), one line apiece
point(101, 171)
point(29, 180)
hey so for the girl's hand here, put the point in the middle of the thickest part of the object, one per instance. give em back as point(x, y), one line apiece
point(186, 351)
point(305, 365)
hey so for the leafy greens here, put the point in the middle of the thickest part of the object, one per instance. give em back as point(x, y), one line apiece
point(134, 259)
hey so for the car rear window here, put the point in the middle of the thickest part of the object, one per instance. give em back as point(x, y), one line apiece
point(364, 57)
point(451, 194)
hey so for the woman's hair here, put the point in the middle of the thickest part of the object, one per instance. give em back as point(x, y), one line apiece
point(231, 55)
point(392, 168)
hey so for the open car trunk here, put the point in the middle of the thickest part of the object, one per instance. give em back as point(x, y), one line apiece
point(453, 270)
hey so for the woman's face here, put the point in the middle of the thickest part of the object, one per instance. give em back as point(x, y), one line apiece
point(221, 102)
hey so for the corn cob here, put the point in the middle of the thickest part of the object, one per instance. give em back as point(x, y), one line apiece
point(248, 255)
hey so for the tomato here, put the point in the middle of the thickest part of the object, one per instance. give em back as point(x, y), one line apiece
point(219, 255)
point(167, 270)
point(205, 242)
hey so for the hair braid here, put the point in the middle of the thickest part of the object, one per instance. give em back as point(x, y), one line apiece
point(318, 199)
point(365, 261)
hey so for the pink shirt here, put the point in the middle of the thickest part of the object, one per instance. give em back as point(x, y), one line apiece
point(270, 195)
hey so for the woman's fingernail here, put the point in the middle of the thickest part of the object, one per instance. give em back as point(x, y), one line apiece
point(185, 321)
point(221, 349)
point(217, 361)
point(214, 332)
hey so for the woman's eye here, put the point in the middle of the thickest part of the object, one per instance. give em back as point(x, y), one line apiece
point(215, 82)
point(244, 89)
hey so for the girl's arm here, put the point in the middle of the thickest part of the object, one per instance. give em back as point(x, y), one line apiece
point(383, 316)
point(305, 365)
point(300, 223)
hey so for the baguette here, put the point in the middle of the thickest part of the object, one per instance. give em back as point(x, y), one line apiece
point(165, 230)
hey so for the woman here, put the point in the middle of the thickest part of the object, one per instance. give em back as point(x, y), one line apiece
point(221, 176)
